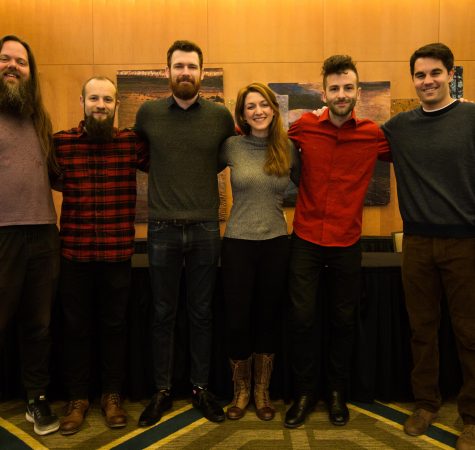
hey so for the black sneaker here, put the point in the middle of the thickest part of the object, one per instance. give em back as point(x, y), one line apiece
point(205, 401)
point(39, 413)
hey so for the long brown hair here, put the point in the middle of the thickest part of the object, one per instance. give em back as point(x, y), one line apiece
point(40, 117)
point(278, 150)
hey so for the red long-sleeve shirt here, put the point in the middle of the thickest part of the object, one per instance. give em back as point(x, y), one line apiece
point(98, 181)
point(337, 166)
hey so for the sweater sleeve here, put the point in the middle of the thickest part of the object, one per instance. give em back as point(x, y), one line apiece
point(295, 164)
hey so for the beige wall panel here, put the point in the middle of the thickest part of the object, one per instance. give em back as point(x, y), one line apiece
point(141, 31)
point(377, 30)
point(395, 72)
point(58, 201)
point(61, 88)
point(457, 23)
point(59, 32)
point(372, 221)
point(265, 30)
point(238, 75)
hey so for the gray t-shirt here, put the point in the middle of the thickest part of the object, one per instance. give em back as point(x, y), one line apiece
point(257, 212)
point(25, 194)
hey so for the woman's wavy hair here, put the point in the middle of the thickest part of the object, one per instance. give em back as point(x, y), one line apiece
point(39, 115)
point(278, 149)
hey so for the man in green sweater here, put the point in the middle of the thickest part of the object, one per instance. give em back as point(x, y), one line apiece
point(433, 149)
point(184, 133)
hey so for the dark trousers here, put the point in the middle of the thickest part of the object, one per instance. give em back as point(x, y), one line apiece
point(170, 246)
point(254, 279)
point(431, 267)
point(94, 293)
point(343, 276)
point(29, 265)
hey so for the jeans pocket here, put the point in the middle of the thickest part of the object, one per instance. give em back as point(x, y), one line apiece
point(155, 227)
point(211, 227)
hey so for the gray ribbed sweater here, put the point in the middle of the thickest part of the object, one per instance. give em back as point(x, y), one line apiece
point(257, 212)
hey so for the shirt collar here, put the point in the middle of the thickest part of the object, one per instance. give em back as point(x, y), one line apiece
point(172, 103)
point(352, 121)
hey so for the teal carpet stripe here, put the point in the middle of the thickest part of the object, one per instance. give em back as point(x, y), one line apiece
point(11, 442)
point(443, 436)
point(161, 431)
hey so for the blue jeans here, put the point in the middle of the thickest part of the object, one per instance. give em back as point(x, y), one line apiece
point(170, 248)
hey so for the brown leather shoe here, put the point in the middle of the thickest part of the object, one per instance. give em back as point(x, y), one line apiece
point(419, 421)
point(115, 415)
point(74, 418)
point(466, 440)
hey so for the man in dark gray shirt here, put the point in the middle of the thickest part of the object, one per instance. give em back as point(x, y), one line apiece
point(184, 133)
point(433, 149)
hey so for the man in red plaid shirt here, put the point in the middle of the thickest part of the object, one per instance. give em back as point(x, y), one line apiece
point(97, 177)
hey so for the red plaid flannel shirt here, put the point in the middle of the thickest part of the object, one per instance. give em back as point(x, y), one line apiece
point(98, 182)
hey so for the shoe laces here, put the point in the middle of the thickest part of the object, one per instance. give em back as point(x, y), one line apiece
point(205, 397)
point(40, 408)
point(468, 431)
point(113, 398)
point(75, 404)
point(422, 414)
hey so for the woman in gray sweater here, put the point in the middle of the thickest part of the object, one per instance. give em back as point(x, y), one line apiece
point(255, 247)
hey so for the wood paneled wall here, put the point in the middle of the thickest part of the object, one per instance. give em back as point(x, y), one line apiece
point(253, 40)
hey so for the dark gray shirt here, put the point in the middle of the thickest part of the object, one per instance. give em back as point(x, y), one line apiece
point(434, 162)
point(184, 147)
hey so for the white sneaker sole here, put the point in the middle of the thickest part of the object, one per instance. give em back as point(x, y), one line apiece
point(42, 431)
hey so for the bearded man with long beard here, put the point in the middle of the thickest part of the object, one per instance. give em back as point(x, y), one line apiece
point(29, 244)
point(97, 175)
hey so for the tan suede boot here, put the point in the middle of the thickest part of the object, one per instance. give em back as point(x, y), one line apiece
point(242, 388)
point(263, 364)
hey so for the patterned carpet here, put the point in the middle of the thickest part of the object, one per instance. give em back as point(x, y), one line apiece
point(372, 426)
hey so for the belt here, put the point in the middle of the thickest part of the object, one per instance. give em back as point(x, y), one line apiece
point(179, 222)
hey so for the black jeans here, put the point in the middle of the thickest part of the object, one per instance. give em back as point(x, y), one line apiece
point(343, 277)
point(29, 265)
point(94, 293)
point(254, 282)
point(170, 246)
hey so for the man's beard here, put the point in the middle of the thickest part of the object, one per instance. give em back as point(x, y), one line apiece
point(343, 112)
point(185, 91)
point(100, 131)
point(16, 98)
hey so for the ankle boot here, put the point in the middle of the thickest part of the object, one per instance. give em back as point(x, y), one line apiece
point(242, 387)
point(263, 363)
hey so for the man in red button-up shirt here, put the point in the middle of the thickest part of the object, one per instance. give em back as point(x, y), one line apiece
point(338, 154)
